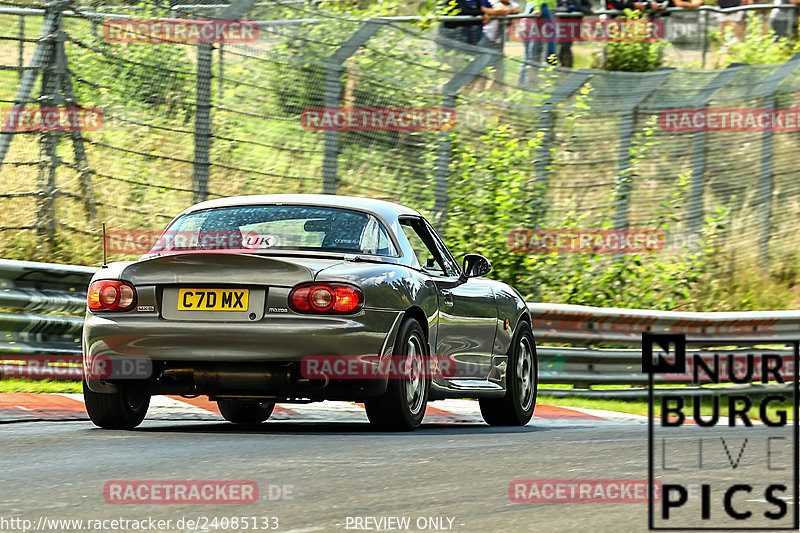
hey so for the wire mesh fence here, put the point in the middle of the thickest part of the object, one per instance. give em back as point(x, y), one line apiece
point(309, 101)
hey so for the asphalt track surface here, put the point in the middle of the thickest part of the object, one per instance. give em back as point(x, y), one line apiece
point(455, 467)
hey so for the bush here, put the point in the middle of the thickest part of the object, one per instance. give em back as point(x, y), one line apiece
point(157, 77)
point(492, 194)
point(759, 47)
point(632, 56)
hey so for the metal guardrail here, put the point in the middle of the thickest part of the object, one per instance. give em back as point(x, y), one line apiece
point(27, 290)
point(577, 345)
point(605, 344)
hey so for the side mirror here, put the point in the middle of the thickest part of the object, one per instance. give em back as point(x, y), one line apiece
point(475, 265)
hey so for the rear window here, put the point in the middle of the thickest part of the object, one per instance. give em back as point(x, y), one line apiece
point(278, 227)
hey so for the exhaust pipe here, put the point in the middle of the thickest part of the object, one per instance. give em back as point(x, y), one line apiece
point(317, 384)
point(231, 377)
point(242, 377)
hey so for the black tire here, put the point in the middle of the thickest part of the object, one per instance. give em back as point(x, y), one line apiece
point(402, 406)
point(121, 410)
point(244, 412)
point(516, 407)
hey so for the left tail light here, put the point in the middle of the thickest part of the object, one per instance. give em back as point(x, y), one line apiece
point(111, 295)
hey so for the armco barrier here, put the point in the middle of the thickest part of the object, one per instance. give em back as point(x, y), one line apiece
point(605, 343)
point(577, 345)
point(27, 290)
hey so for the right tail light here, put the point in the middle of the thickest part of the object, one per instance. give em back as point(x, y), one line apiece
point(326, 298)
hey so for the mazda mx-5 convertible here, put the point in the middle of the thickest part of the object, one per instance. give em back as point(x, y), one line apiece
point(300, 298)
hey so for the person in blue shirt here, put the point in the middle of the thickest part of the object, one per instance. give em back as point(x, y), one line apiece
point(472, 30)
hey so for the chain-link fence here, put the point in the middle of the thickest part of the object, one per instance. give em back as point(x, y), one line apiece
point(165, 124)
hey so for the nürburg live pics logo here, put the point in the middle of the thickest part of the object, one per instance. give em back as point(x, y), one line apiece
point(724, 448)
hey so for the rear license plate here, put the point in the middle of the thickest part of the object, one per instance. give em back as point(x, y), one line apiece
point(213, 299)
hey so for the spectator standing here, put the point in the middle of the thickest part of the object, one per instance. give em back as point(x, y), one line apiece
point(570, 6)
point(494, 33)
point(781, 20)
point(543, 11)
point(469, 31)
point(622, 5)
point(734, 21)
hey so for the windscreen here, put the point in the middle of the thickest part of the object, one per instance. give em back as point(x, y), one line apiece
point(277, 227)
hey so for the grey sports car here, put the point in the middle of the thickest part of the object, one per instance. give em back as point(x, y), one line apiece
point(255, 300)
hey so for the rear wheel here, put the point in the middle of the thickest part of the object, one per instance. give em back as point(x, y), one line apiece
point(119, 410)
point(244, 412)
point(516, 407)
point(402, 407)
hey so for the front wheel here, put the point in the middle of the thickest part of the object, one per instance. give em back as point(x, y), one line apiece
point(243, 412)
point(516, 407)
point(402, 406)
point(119, 410)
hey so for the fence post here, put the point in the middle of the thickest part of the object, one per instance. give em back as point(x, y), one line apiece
point(765, 185)
point(50, 58)
point(78, 149)
point(333, 95)
point(221, 70)
point(545, 124)
point(445, 149)
point(444, 157)
point(21, 56)
point(41, 55)
point(695, 209)
point(52, 78)
point(627, 118)
point(202, 122)
point(704, 17)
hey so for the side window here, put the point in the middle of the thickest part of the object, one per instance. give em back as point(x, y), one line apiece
point(374, 239)
point(450, 264)
point(425, 249)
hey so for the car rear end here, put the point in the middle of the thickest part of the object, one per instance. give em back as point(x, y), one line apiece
point(232, 322)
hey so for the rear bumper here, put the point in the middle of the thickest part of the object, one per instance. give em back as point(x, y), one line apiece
point(255, 355)
point(273, 338)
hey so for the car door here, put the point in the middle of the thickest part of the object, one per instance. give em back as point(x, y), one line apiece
point(467, 310)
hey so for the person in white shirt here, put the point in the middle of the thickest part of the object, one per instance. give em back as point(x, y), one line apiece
point(494, 35)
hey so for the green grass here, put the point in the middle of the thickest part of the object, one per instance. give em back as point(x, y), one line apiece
point(635, 407)
point(44, 385)
point(640, 406)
